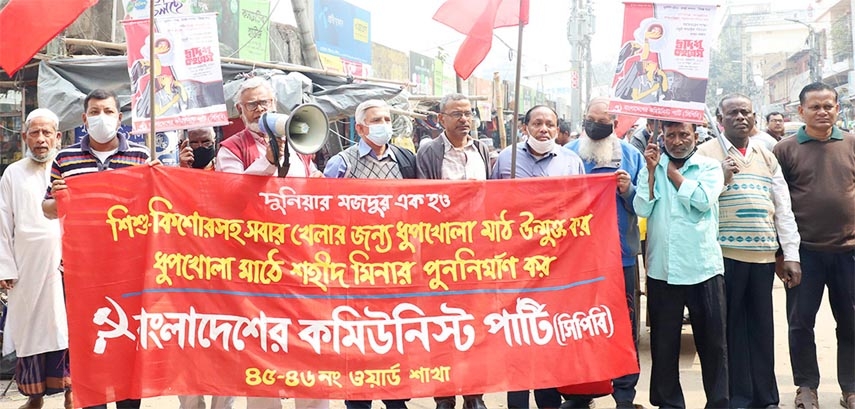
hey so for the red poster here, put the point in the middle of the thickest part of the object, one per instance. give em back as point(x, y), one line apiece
point(663, 63)
point(339, 289)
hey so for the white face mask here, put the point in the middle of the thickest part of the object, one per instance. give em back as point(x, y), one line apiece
point(379, 134)
point(541, 147)
point(102, 128)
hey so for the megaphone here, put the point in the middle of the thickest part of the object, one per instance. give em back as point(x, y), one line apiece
point(305, 128)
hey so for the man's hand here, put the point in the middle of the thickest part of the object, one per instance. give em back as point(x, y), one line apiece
point(316, 174)
point(623, 180)
point(651, 156)
point(790, 272)
point(730, 168)
point(7, 284)
point(57, 185)
point(185, 154)
point(269, 156)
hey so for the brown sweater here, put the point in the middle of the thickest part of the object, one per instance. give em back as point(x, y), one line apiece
point(821, 178)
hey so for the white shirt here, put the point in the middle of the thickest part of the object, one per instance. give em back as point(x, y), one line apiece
point(462, 163)
point(30, 252)
point(228, 162)
point(785, 221)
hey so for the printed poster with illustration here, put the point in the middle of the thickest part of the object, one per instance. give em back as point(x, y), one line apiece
point(187, 75)
point(340, 288)
point(663, 64)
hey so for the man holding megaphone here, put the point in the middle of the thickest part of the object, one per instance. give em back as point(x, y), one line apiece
point(250, 152)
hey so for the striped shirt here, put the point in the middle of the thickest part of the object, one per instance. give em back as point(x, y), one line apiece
point(78, 159)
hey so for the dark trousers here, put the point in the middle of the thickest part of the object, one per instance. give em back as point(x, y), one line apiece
point(122, 404)
point(624, 387)
point(750, 334)
point(366, 404)
point(821, 269)
point(466, 398)
point(706, 302)
point(544, 398)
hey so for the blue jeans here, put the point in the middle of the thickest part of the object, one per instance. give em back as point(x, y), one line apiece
point(837, 272)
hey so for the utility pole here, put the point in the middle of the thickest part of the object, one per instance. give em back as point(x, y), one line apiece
point(814, 63)
point(580, 27)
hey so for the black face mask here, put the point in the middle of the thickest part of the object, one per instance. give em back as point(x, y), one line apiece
point(680, 160)
point(596, 130)
point(202, 156)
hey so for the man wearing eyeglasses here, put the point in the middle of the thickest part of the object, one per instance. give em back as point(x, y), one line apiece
point(454, 155)
point(199, 149)
point(248, 151)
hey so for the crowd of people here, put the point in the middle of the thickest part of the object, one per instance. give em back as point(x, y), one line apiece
point(745, 211)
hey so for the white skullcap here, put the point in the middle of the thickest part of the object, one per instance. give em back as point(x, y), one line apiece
point(43, 113)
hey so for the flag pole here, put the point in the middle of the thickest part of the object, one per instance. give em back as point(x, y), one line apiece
point(517, 95)
point(151, 79)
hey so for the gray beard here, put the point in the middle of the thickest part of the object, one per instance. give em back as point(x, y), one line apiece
point(600, 152)
point(40, 159)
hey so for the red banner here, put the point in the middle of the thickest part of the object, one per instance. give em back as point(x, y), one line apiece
point(339, 288)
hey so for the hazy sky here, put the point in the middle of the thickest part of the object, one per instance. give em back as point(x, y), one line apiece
point(407, 25)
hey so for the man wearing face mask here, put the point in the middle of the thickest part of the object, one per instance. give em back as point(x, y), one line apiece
point(104, 148)
point(678, 194)
point(248, 152)
point(538, 156)
point(373, 157)
point(30, 245)
point(201, 145)
point(603, 152)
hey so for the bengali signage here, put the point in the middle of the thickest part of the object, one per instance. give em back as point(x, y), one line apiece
point(663, 64)
point(343, 30)
point(339, 289)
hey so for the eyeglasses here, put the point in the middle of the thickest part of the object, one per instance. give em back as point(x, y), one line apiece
point(459, 114)
point(204, 144)
point(264, 103)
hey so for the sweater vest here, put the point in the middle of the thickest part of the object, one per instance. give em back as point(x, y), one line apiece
point(747, 211)
point(242, 145)
point(368, 167)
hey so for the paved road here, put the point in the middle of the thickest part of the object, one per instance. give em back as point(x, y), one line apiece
point(829, 391)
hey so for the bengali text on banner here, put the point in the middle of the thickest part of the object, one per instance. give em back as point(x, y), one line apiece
point(340, 289)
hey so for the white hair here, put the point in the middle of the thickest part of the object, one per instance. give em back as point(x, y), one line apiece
point(365, 106)
point(253, 83)
point(41, 113)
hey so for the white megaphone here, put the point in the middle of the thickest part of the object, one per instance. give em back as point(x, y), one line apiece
point(305, 128)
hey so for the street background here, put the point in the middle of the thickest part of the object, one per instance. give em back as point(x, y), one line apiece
point(690, 371)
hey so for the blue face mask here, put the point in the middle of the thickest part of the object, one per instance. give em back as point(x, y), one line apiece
point(379, 134)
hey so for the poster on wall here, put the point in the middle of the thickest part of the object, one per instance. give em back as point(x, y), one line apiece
point(186, 71)
point(663, 64)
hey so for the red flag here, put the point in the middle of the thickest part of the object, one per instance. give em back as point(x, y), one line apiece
point(27, 25)
point(477, 19)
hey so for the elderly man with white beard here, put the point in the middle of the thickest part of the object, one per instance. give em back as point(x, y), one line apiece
point(603, 152)
point(36, 327)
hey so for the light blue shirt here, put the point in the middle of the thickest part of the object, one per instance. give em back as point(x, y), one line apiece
point(682, 225)
point(558, 162)
point(336, 167)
